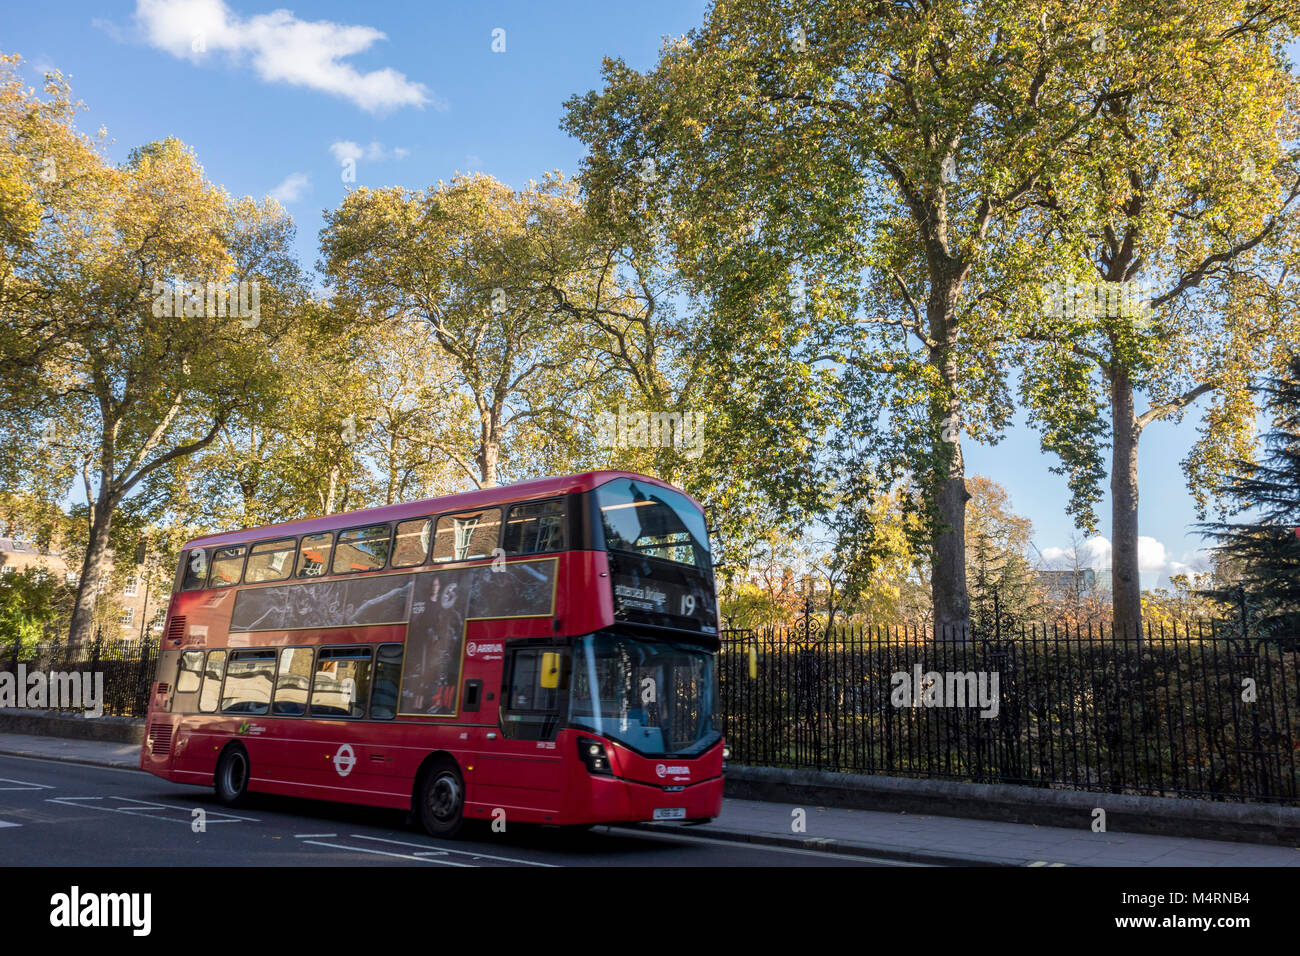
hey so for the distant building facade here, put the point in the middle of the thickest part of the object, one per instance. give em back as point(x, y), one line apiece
point(129, 600)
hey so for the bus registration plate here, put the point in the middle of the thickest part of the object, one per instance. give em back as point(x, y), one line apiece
point(670, 813)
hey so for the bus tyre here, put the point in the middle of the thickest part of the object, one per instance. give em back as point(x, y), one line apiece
point(231, 778)
point(442, 800)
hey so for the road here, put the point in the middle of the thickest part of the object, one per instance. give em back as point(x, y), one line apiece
point(54, 813)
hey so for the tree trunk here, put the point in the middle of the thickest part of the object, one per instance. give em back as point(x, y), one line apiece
point(489, 452)
point(93, 568)
point(1126, 585)
point(948, 557)
point(331, 490)
point(948, 563)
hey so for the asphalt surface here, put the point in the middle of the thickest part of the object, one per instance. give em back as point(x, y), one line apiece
point(62, 814)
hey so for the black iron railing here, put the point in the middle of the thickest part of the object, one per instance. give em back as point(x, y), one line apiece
point(126, 667)
point(1193, 710)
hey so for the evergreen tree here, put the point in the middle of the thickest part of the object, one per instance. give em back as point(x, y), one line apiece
point(1266, 551)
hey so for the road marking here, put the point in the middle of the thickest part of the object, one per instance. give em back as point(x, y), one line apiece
point(319, 836)
point(144, 808)
point(24, 785)
point(6, 823)
point(400, 856)
point(478, 856)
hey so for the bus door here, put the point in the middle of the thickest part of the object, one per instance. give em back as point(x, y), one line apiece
point(523, 766)
point(336, 747)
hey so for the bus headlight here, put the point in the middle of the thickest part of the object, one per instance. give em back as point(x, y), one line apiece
point(593, 755)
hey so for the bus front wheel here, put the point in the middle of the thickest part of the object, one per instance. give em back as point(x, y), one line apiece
point(442, 800)
point(231, 779)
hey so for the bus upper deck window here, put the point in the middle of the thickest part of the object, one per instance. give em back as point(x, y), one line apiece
point(196, 570)
point(313, 557)
point(269, 561)
point(411, 544)
point(467, 536)
point(362, 549)
point(535, 527)
point(227, 566)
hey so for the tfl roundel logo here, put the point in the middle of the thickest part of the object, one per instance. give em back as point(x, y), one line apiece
point(661, 770)
point(470, 648)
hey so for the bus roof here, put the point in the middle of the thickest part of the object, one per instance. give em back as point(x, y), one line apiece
point(483, 497)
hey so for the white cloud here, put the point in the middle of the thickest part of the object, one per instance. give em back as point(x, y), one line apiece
point(1151, 555)
point(282, 49)
point(1093, 553)
point(293, 188)
point(344, 149)
point(1153, 558)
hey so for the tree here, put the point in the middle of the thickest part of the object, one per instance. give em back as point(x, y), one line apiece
point(31, 601)
point(1002, 582)
point(462, 257)
point(811, 142)
point(51, 178)
point(1264, 551)
point(1076, 596)
point(170, 355)
point(868, 566)
point(1170, 237)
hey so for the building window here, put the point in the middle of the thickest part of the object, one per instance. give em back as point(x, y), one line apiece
point(7, 569)
point(128, 615)
point(132, 587)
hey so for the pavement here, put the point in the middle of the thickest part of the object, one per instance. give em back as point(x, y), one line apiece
point(863, 834)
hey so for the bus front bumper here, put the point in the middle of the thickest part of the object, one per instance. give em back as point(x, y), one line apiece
point(614, 800)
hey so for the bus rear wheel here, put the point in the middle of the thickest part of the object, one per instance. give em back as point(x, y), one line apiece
point(442, 800)
point(231, 779)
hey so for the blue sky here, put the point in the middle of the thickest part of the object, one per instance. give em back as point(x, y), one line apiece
point(415, 92)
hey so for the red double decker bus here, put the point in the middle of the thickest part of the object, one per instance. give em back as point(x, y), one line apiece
point(545, 650)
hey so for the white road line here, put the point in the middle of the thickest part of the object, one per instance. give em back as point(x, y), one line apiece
point(480, 856)
point(400, 856)
point(319, 836)
point(24, 785)
point(147, 810)
point(5, 823)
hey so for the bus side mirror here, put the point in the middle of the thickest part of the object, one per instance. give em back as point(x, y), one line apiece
point(550, 670)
